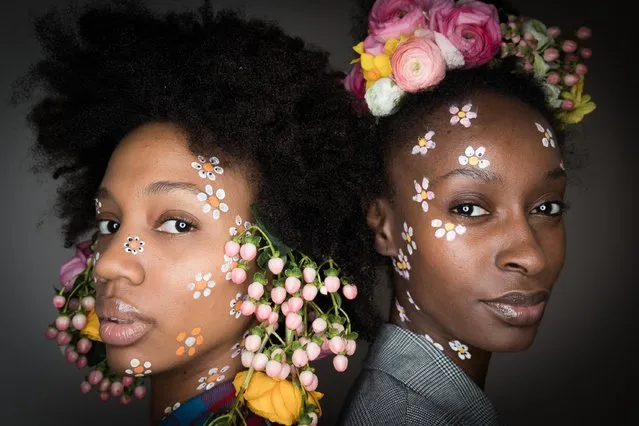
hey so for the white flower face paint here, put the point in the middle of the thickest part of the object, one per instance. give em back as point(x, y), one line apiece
point(447, 229)
point(207, 169)
point(461, 349)
point(212, 199)
point(437, 345)
point(236, 305)
point(407, 236)
point(230, 263)
point(133, 245)
point(463, 115)
point(473, 157)
point(401, 311)
point(401, 265)
point(240, 226)
point(214, 377)
point(98, 206)
point(547, 139)
point(411, 301)
point(424, 143)
point(202, 285)
point(170, 409)
point(236, 349)
point(138, 368)
point(561, 164)
point(422, 195)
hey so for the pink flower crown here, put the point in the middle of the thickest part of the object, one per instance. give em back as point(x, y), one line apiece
point(412, 43)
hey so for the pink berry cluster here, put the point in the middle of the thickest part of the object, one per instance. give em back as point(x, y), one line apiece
point(78, 342)
point(298, 305)
point(544, 50)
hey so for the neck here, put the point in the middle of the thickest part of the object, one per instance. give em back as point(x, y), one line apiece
point(420, 322)
point(186, 381)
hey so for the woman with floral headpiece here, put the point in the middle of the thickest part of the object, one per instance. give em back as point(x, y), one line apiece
point(465, 197)
point(177, 138)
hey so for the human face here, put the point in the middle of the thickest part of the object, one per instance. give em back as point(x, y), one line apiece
point(487, 240)
point(172, 298)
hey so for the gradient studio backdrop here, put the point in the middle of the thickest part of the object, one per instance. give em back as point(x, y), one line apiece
point(579, 371)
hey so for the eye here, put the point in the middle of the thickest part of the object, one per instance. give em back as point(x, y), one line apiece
point(550, 208)
point(176, 226)
point(107, 227)
point(469, 210)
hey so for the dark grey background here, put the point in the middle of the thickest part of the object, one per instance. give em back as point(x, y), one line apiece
point(581, 368)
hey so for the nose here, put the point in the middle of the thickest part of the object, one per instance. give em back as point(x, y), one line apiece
point(520, 251)
point(121, 258)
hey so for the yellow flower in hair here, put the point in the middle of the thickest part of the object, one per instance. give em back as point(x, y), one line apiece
point(375, 67)
point(92, 329)
point(582, 104)
point(279, 401)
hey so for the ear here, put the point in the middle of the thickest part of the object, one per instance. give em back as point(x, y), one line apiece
point(380, 220)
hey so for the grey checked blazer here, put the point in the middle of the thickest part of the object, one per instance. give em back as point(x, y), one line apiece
point(407, 381)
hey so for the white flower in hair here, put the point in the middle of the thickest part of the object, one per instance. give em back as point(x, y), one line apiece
point(383, 97)
point(454, 58)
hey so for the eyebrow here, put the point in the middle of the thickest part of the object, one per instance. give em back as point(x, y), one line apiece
point(555, 174)
point(155, 188)
point(476, 174)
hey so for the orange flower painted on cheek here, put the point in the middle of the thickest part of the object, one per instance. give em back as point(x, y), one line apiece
point(189, 342)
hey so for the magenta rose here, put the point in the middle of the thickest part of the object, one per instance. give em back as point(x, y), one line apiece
point(355, 82)
point(70, 270)
point(392, 18)
point(418, 64)
point(472, 27)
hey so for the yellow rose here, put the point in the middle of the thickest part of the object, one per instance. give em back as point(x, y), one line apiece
point(279, 401)
point(92, 329)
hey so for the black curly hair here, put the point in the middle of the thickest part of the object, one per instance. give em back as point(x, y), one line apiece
point(244, 87)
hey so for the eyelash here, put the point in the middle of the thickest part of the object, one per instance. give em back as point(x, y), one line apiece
point(562, 206)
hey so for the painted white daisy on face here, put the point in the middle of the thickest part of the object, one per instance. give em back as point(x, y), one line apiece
point(212, 199)
point(98, 206)
point(133, 245)
point(473, 157)
point(547, 139)
point(170, 409)
point(401, 311)
point(214, 377)
point(240, 226)
point(138, 368)
point(229, 264)
point(437, 345)
point(424, 143)
point(461, 349)
point(401, 265)
point(207, 168)
point(447, 229)
point(202, 285)
point(236, 305)
point(236, 349)
point(463, 115)
point(407, 235)
point(423, 195)
point(411, 301)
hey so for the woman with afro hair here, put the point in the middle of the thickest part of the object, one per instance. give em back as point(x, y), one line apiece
point(170, 134)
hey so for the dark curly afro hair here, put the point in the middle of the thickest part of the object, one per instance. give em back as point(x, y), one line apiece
point(263, 98)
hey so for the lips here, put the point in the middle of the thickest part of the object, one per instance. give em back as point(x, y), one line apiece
point(121, 324)
point(519, 308)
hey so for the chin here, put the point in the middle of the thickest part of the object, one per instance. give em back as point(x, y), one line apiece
point(513, 339)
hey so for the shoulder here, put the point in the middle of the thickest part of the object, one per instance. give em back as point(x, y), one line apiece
point(378, 398)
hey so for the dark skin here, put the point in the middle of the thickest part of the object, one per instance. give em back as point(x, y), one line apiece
point(505, 230)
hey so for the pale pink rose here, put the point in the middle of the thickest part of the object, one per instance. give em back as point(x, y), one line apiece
point(418, 64)
point(392, 18)
point(472, 27)
point(70, 270)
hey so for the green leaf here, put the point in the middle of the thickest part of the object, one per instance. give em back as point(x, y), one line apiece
point(540, 66)
point(253, 239)
point(352, 336)
point(262, 260)
point(331, 272)
point(259, 277)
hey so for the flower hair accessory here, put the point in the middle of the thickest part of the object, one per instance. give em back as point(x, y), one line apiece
point(412, 43)
point(297, 305)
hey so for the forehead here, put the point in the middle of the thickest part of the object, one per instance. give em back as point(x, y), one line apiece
point(510, 132)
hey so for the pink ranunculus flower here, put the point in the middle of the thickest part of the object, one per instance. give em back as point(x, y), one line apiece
point(418, 64)
point(355, 83)
point(472, 27)
point(76, 265)
point(392, 18)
